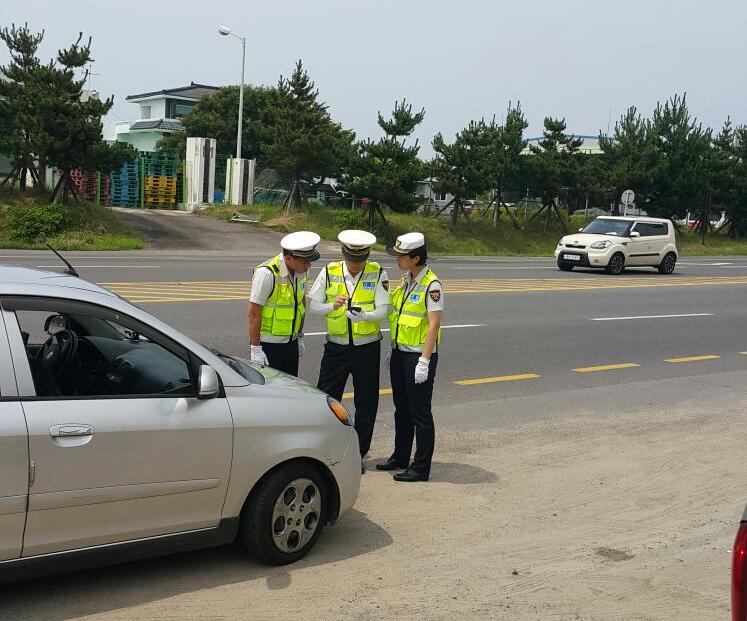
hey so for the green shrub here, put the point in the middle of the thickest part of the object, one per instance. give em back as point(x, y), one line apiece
point(349, 219)
point(28, 224)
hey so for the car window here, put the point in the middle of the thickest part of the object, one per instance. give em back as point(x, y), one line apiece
point(608, 226)
point(84, 355)
point(650, 229)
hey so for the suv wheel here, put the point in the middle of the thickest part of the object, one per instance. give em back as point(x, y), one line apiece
point(616, 264)
point(565, 266)
point(285, 515)
point(667, 263)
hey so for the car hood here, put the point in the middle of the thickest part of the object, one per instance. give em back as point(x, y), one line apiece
point(280, 382)
point(585, 239)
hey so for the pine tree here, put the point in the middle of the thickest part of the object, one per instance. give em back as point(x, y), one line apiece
point(20, 112)
point(505, 165)
point(215, 116)
point(387, 171)
point(462, 167)
point(554, 167)
point(305, 140)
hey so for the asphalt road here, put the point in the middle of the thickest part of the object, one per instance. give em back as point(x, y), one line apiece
point(514, 327)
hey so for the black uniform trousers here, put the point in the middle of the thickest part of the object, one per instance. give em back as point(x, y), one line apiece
point(362, 362)
point(283, 356)
point(413, 418)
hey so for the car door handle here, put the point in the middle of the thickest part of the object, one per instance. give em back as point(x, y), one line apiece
point(70, 431)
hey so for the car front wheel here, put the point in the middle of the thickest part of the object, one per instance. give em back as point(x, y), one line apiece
point(285, 515)
point(667, 263)
point(616, 264)
point(565, 266)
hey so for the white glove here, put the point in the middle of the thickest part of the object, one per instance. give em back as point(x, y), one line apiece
point(421, 370)
point(259, 356)
point(357, 316)
point(301, 347)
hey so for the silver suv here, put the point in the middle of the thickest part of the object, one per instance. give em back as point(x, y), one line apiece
point(121, 438)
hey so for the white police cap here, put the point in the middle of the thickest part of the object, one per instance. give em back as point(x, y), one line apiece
point(301, 244)
point(356, 245)
point(406, 244)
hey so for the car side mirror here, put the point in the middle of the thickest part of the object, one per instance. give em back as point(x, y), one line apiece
point(208, 384)
point(634, 234)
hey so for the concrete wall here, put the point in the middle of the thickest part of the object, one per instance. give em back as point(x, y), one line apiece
point(157, 108)
point(142, 141)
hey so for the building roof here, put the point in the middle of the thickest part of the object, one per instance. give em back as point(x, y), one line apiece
point(194, 92)
point(169, 125)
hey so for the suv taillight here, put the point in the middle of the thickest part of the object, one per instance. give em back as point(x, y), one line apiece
point(739, 575)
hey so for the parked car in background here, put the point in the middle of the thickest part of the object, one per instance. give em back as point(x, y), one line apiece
point(614, 243)
point(121, 438)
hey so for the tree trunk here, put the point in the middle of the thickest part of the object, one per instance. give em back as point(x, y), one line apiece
point(455, 211)
point(444, 208)
point(56, 190)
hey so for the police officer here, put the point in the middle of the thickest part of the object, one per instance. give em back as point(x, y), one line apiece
point(415, 325)
point(277, 303)
point(354, 296)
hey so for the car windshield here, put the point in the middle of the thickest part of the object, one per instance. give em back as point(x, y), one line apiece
point(608, 226)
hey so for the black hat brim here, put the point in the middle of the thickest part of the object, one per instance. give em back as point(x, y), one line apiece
point(311, 256)
point(393, 252)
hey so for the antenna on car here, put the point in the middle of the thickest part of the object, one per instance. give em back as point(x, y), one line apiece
point(69, 269)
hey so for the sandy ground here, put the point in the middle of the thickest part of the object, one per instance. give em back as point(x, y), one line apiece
point(626, 518)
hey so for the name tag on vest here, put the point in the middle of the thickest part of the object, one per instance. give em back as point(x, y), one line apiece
point(415, 298)
point(369, 285)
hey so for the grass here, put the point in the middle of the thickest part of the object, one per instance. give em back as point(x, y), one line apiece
point(475, 237)
point(87, 227)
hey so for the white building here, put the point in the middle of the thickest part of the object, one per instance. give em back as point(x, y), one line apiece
point(160, 114)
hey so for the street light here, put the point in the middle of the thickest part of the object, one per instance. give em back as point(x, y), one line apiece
point(226, 31)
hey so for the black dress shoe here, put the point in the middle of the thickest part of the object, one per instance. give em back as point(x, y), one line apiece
point(391, 464)
point(409, 476)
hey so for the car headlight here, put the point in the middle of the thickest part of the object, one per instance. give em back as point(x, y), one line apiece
point(601, 245)
point(338, 409)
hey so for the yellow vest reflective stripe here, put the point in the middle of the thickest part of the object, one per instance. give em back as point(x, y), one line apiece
point(364, 296)
point(408, 321)
point(284, 310)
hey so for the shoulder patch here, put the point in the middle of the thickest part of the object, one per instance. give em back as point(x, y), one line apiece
point(435, 294)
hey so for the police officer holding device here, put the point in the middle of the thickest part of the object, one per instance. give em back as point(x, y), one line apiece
point(277, 303)
point(354, 296)
point(415, 330)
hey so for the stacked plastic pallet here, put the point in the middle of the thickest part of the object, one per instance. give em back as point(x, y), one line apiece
point(160, 184)
point(125, 186)
point(91, 186)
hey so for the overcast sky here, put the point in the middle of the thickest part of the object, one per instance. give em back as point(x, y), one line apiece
point(586, 60)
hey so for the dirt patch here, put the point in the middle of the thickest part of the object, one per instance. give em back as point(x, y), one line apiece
point(616, 556)
point(534, 524)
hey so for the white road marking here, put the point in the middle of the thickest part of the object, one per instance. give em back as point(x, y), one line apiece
point(652, 317)
point(463, 325)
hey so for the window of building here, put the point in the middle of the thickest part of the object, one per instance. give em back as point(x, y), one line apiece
point(145, 112)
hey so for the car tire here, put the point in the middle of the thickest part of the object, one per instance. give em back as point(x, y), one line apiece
point(667, 263)
point(565, 266)
point(276, 527)
point(616, 264)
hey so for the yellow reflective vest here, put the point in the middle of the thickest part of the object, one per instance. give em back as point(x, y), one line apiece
point(364, 296)
point(408, 321)
point(283, 313)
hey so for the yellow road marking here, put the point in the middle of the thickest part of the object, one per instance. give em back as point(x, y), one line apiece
point(206, 290)
point(383, 391)
point(499, 378)
point(607, 367)
point(692, 358)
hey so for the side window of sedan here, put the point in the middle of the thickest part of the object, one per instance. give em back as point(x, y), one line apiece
point(84, 355)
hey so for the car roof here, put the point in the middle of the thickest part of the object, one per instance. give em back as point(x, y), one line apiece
point(633, 218)
point(13, 278)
